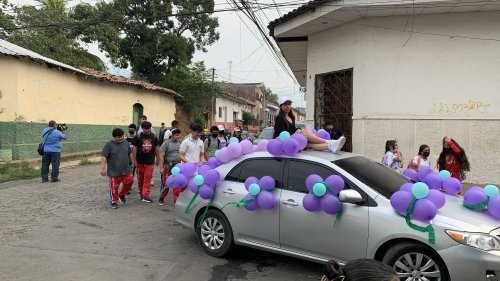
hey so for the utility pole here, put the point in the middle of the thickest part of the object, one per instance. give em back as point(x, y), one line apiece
point(213, 99)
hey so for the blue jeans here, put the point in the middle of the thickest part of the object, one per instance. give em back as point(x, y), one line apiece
point(47, 159)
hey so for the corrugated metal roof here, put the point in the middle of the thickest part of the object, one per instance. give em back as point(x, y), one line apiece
point(10, 49)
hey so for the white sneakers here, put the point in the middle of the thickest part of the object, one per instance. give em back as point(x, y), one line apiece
point(336, 145)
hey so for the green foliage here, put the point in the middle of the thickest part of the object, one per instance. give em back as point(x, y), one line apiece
point(144, 35)
point(200, 120)
point(270, 96)
point(9, 173)
point(56, 42)
point(248, 118)
point(85, 161)
point(195, 84)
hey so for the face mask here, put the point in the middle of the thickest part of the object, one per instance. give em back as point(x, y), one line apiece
point(426, 154)
point(131, 132)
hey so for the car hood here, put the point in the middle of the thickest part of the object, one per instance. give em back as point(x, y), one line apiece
point(456, 215)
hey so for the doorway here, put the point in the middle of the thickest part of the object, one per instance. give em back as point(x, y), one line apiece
point(333, 100)
point(137, 111)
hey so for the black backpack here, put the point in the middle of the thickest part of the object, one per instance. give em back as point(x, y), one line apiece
point(218, 141)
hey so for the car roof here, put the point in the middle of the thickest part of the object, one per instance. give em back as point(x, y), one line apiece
point(306, 154)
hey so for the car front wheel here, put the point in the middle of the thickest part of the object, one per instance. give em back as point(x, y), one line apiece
point(416, 262)
point(215, 234)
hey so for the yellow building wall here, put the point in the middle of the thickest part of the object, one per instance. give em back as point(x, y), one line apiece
point(33, 92)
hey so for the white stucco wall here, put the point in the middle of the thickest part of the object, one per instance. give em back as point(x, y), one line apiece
point(231, 106)
point(440, 83)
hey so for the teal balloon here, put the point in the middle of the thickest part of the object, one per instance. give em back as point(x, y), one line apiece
point(254, 189)
point(284, 135)
point(217, 153)
point(233, 139)
point(319, 189)
point(444, 175)
point(491, 190)
point(199, 180)
point(175, 171)
point(420, 190)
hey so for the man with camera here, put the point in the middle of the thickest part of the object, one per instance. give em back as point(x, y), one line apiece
point(51, 140)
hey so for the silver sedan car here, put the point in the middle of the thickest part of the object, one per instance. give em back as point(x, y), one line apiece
point(467, 246)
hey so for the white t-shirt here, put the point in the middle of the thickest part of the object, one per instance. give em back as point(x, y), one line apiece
point(388, 160)
point(192, 148)
point(222, 141)
point(423, 163)
point(168, 134)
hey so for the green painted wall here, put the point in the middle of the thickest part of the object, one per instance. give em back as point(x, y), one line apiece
point(22, 138)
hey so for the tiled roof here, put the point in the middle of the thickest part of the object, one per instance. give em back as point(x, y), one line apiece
point(9, 49)
point(126, 81)
point(240, 99)
point(311, 5)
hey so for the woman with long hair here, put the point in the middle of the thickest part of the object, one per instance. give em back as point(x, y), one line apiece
point(359, 270)
point(422, 159)
point(392, 156)
point(285, 121)
point(453, 159)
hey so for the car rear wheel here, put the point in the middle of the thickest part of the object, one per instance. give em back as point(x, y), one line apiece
point(416, 262)
point(215, 234)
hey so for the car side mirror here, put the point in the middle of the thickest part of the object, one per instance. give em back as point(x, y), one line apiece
point(350, 196)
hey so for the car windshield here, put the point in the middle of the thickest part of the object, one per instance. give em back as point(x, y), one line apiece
point(377, 176)
point(267, 134)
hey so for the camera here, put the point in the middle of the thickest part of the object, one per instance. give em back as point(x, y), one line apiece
point(62, 127)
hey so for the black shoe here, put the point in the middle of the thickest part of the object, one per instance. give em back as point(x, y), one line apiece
point(55, 180)
point(122, 198)
point(161, 202)
point(114, 206)
point(147, 199)
point(45, 180)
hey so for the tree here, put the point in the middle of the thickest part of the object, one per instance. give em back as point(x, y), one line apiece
point(270, 96)
point(145, 35)
point(195, 84)
point(248, 118)
point(55, 42)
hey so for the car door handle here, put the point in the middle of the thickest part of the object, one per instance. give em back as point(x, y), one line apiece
point(290, 202)
point(228, 191)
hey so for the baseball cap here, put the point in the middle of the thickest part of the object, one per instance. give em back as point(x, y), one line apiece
point(282, 100)
point(220, 127)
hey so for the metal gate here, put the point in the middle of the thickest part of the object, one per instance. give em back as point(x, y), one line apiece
point(333, 100)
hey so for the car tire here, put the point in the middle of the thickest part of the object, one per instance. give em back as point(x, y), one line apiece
point(215, 234)
point(421, 257)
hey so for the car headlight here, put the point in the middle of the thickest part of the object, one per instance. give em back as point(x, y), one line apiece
point(481, 241)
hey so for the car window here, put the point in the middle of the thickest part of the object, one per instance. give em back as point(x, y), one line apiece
point(234, 175)
point(261, 167)
point(267, 133)
point(375, 175)
point(299, 170)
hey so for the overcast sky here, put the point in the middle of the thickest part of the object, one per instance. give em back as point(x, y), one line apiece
point(240, 56)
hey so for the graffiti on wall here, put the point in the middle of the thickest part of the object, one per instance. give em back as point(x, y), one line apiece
point(459, 108)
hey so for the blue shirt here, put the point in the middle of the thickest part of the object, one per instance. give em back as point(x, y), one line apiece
point(52, 140)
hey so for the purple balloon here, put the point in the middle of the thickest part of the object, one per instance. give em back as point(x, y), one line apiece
point(291, 146)
point(423, 172)
point(474, 196)
point(180, 165)
point(266, 200)
point(433, 181)
point(188, 169)
point(324, 134)
point(312, 130)
point(224, 155)
point(206, 191)
point(255, 148)
point(452, 186)
point(262, 145)
point(251, 180)
point(407, 187)
point(203, 169)
point(301, 139)
point(437, 198)
point(212, 162)
point(476, 188)
point(212, 176)
point(311, 203)
point(169, 182)
point(199, 164)
point(246, 146)
point(401, 200)
point(330, 204)
point(252, 206)
point(275, 147)
point(311, 180)
point(336, 183)
point(218, 163)
point(234, 149)
point(180, 180)
point(412, 174)
point(424, 210)
point(494, 207)
point(192, 186)
point(267, 183)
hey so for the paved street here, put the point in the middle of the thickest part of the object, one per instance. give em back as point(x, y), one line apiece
point(66, 231)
